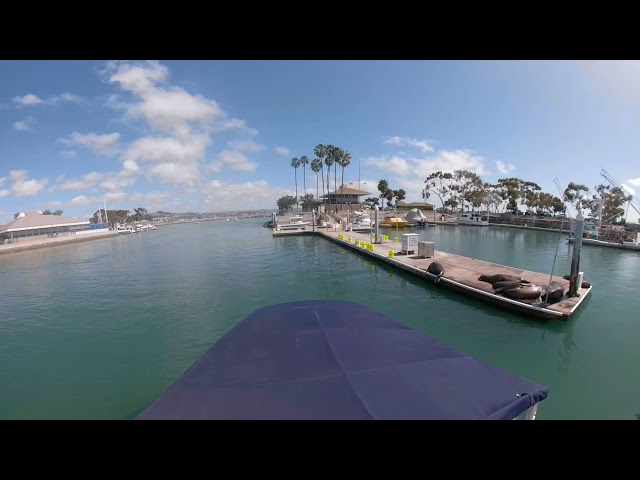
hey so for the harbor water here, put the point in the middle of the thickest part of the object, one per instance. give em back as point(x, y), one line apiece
point(98, 330)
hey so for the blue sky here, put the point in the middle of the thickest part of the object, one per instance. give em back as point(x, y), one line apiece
point(219, 135)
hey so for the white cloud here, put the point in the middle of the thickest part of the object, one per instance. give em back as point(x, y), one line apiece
point(82, 200)
point(4, 193)
point(129, 167)
point(167, 149)
point(27, 188)
point(237, 161)
point(393, 164)
point(115, 196)
point(176, 173)
point(221, 196)
point(503, 168)
point(105, 144)
point(634, 181)
point(2, 180)
point(423, 145)
point(68, 153)
point(150, 201)
point(236, 124)
point(16, 175)
point(282, 151)
point(166, 110)
point(24, 125)
point(28, 99)
point(116, 182)
point(54, 204)
point(215, 167)
point(245, 146)
point(87, 181)
point(628, 189)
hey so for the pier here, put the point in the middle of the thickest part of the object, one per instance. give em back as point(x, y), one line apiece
point(460, 273)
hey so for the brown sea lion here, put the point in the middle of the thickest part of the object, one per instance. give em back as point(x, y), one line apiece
point(523, 292)
point(556, 292)
point(499, 277)
point(436, 268)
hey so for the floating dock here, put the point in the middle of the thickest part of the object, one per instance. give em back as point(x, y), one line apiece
point(461, 275)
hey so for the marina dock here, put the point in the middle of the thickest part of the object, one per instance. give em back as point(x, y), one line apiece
point(460, 273)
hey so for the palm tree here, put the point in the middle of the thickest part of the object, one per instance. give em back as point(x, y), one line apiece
point(383, 186)
point(329, 161)
point(295, 163)
point(316, 165)
point(304, 161)
point(400, 195)
point(389, 194)
point(344, 161)
point(320, 152)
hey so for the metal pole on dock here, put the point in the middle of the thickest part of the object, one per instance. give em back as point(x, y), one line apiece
point(106, 217)
point(575, 259)
point(377, 224)
point(313, 219)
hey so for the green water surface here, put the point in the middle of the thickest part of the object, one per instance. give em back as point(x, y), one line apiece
point(98, 330)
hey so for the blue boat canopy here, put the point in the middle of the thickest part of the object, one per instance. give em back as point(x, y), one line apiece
point(339, 360)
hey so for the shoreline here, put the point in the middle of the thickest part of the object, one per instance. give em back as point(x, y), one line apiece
point(45, 243)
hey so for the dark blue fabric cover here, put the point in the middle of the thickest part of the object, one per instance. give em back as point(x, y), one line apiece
point(338, 360)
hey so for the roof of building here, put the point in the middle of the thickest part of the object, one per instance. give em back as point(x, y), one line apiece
point(348, 191)
point(33, 220)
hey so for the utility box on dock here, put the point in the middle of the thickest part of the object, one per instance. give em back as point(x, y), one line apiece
point(409, 242)
point(426, 249)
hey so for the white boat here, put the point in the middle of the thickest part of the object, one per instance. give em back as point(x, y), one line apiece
point(296, 220)
point(472, 218)
point(624, 244)
point(125, 230)
point(361, 222)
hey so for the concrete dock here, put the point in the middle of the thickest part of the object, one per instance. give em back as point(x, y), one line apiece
point(37, 243)
point(461, 274)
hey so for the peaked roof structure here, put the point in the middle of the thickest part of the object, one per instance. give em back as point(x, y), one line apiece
point(33, 220)
point(348, 191)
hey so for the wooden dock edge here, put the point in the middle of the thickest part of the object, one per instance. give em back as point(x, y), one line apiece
point(485, 297)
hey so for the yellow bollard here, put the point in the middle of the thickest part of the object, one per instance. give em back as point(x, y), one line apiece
point(349, 239)
point(390, 253)
point(357, 242)
point(395, 239)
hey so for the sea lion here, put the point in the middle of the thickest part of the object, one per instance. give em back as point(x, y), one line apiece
point(499, 277)
point(500, 286)
point(523, 292)
point(584, 284)
point(556, 292)
point(436, 268)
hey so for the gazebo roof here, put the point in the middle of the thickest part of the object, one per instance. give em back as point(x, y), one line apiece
point(348, 191)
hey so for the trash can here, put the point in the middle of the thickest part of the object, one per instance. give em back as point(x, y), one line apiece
point(426, 249)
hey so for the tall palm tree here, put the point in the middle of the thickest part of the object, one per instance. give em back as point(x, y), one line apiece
point(304, 162)
point(344, 161)
point(316, 165)
point(329, 161)
point(320, 152)
point(383, 186)
point(336, 156)
point(295, 163)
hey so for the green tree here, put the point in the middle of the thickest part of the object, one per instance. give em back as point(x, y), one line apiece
point(304, 161)
point(58, 212)
point(466, 183)
point(316, 166)
point(399, 195)
point(389, 194)
point(286, 203)
point(295, 163)
point(47, 212)
point(577, 195)
point(344, 160)
point(383, 186)
point(439, 184)
point(320, 151)
point(306, 199)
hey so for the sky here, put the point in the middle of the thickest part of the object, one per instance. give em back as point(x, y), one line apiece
point(215, 136)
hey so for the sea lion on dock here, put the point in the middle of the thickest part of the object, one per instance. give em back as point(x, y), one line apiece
point(436, 268)
point(499, 277)
point(523, 292)
point(556, 292)
point(501, 286)
point(584, 284)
